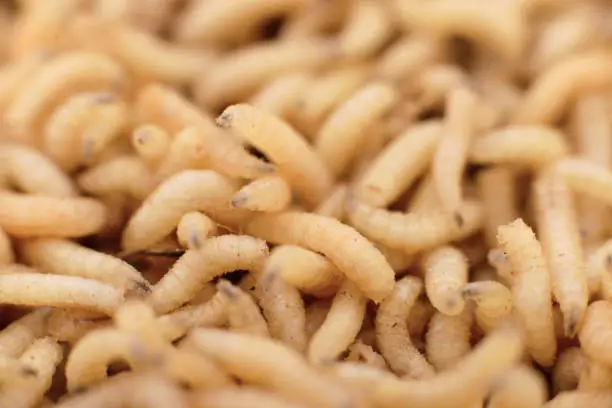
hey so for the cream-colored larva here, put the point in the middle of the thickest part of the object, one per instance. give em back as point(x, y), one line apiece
point(243, 396)
point(392, 333)
point(558, 232)
point(151, 144)
point(467, 382)
point(399, 164)
point(243, 314)
point(450, 157)
point(359, 351)
point(14, 75)
point(194, 228)
point(149, 57)
point(531, 291)
point(448, 338)
point(568, 369)
point(368, 28)
point(190, 190)
point(559, 85)
point(7, 255)
point(17, 337)
point(524, 145)
point(586, 178)
point(493, 303)
point(595, 376)
point(281, 303)
point(580, 399)
point(305, 270)
point(37, 289)
point(497, 188)
point(70, 73)
point(325, 94)
point(446, 271)
point(592, 130)
point(280, 96)
point(267, 194)
point(343, 132)
point(214, 23)
point(248, 358)
point(127, 175)
point(520, 387)
point(408, 55)
point(297, 162)
point(333, 205)
point(50, 255)
point(32, 172)
point(29, 215)
point(196, 267)
point(136, 389)
point(341, 325)
point(43, 356)
point(81, 128)
point(479, 22)
point(353, 254)
point(570, 31)
point(413, 232)
point(594, 332)
point(212, 313)
point(162, 106)
point(497, 258)
point(237, 76)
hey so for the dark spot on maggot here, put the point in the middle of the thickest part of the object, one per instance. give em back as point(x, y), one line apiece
point(458, 218)
point(28, 371)
point(142, 285)
point(253, 151)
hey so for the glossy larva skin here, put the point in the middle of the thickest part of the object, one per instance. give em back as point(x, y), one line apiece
point(568, 369)
point(68, 74)
point(341, 325)
point(497, 188)
point(194, 228)
point(200, 139)
point(305, 270)
point(197, 267)
point(448, 339)
point(521, 387)
point(399, 165)
point(521, 145)
point(50, 254)
point(243, 314)
point(24, 215)
point(356, 257)
point(558, 231)
point(531, 291)
point(505, 33)
point(82, 126)
point(558, 86)
point(32, 172)
point(446, 271)
point(413, 232)
point(128, 175)
point(189, 190)
point(595, 332)
point(283, 307)
point(459, 386)
point(450, 158)
point(247, 358)
point(297, 161)
point(267, 194)
point(493, 302)
point(341, 135)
